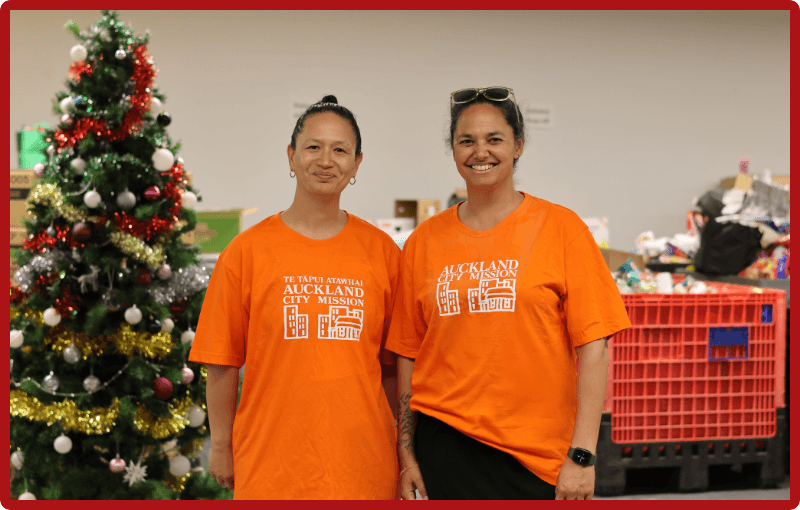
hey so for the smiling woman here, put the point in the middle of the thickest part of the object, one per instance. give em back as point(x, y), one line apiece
point(499, 296)
point(303, 298)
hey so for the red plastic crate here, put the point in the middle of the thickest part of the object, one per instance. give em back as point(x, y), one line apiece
point(666, 381)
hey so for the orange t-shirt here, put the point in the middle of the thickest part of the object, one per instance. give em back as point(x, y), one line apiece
point(309, 319)
point(493, 318)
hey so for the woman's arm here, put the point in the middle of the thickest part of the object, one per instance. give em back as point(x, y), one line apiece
point(222, 388)
point(574, 481)
point(410, 476)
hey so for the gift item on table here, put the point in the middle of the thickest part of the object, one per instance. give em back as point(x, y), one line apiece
point(31, 145)
point(766, 202)
point(771, 264)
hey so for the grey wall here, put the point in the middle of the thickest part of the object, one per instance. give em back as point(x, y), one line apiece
point(650, 109)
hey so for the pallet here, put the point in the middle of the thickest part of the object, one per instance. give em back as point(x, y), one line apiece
point(691, 458)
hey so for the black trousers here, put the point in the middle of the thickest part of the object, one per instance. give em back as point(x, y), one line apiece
point(455, 466)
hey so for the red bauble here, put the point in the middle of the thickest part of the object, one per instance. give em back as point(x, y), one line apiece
point(143, 278)
point(152, 193)
point(82, 231)
point(163, 388)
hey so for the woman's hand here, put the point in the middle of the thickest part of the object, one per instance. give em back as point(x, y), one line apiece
point(574, 481)
point(410, 479)
point(220, 466)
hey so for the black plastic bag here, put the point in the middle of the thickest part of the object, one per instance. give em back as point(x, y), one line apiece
point(726, 248)
point(710, 204)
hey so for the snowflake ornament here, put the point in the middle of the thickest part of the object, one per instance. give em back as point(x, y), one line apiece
point(134, 473)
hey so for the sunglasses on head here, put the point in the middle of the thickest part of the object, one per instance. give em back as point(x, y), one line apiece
point(491, 93)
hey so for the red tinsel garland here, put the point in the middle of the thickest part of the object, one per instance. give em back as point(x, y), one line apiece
point(67, 303)
point(42, 242)
point(143, 74)
point(157, 225)
point(78, 69)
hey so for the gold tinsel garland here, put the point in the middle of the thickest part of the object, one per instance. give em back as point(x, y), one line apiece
point(160, 428)
point(137, 249)
point(50, 195)
point(128, 341)
point(173, 483)
point(97, 420)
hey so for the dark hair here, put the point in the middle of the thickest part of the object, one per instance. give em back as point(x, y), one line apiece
point(507, 107)
point(327, 104)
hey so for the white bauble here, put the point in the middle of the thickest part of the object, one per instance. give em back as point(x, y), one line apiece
point(51, 149)
point(156, 107)
point(188, 200)
point(27, 495)
point(120, 54)
point(167, 325)
point(92, 199)
point(38, 169)
point(16, 338)
point(126, 200)
point(163, 159)
point(66, 103)
point(72, 355)
point(179, 160)
point(196, 416)
point(187, 337)
point(78, 165)
point(179, 466)
point(17, 458)
point(133, 315)
point(66, 119)
point(78, 53)
point(62, 444)
point(51, 317)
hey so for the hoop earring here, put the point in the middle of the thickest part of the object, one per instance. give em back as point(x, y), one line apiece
point(292, 174)
point(353, 181)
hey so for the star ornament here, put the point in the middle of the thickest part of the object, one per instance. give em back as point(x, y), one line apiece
point(134, 473)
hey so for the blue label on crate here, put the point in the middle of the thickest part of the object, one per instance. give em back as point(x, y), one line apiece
point(728, 343)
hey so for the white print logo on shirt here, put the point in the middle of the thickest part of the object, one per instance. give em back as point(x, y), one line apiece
point(341, 323)
point(345, 297)
point(495, 290)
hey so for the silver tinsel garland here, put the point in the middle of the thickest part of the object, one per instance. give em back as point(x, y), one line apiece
point(182, 284)
point(39, 264)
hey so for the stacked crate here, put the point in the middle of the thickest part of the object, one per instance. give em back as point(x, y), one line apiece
point(698, 380)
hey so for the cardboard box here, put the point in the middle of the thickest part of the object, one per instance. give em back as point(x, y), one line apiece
point(615, 258)
point(21, 182)
point(420, 210)
point(744, 182)
point(215, 229)
point(394, 225)
point(599, 229)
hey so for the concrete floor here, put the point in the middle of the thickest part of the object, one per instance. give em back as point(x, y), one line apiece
point(780, 493)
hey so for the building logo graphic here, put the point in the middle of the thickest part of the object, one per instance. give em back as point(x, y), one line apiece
point(295, 325)
point(447, 300)
point(493, 295)
point(341, 323)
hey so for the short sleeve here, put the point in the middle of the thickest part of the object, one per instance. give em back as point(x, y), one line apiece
point(388, 357)
point(221, 333)
point(593, 306)
point(408, 326)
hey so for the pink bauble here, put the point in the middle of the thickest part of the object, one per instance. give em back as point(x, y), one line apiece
point(117, 465)
point(187, 375)
point(152, 193)
point(164, 271)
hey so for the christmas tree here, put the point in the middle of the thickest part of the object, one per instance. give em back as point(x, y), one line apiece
point(104, 404)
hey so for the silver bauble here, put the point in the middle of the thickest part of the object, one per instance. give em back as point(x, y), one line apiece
point(91, 384)
point(126, 200)
point(51, 382)
point(120, 54)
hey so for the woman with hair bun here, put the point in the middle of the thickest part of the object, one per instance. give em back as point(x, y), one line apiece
point(303, 298)
point(500, 297)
